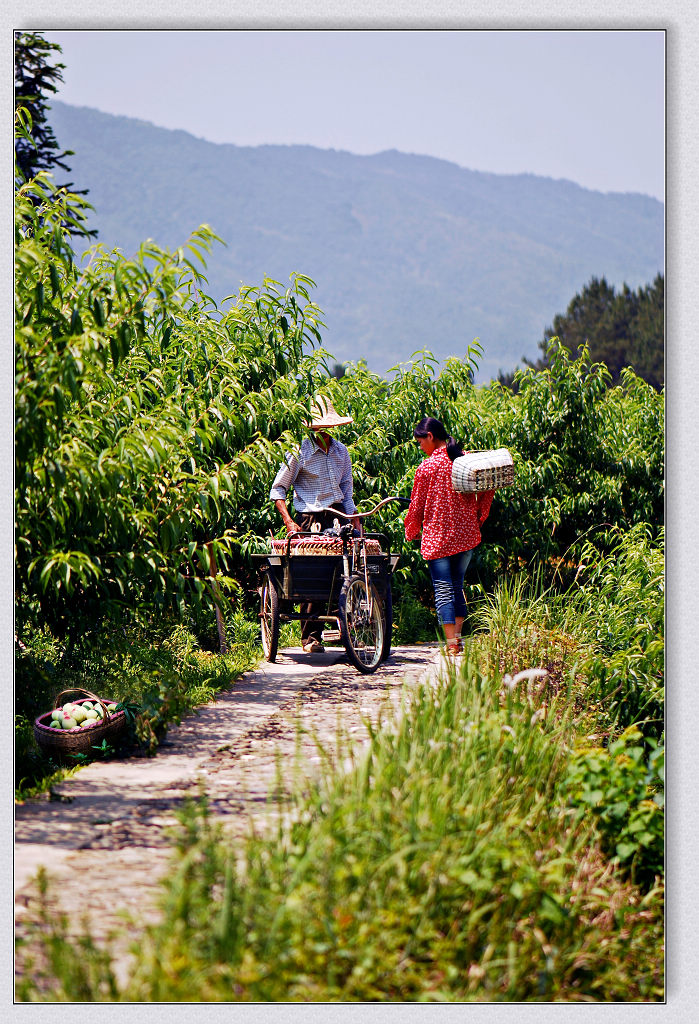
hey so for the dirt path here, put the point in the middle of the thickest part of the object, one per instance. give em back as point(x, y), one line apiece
point(109, 821)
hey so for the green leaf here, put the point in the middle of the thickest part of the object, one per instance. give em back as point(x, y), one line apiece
point(625, 851)
point(594, 796)
point(114, 349)
point(76, 324)
point(55, 280)
point(123, 339)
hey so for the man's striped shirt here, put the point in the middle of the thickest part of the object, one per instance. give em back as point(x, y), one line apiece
point(319, 479)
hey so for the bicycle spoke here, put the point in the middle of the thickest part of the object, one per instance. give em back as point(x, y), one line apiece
point(364, 624)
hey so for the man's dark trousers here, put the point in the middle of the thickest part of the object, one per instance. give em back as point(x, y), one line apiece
point(311, 629)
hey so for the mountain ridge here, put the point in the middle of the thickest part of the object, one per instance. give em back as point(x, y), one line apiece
point(392, 151)
point(408, 251)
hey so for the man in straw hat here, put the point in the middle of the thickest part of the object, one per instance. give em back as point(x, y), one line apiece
point(320, 474)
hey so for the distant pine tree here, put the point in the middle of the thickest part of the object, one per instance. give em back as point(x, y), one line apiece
point(36, 76)
point(621, 329)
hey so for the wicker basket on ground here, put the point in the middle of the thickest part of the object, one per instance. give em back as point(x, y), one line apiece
point(62, 744)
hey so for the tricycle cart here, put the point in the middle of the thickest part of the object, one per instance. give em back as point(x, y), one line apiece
point(349, 573)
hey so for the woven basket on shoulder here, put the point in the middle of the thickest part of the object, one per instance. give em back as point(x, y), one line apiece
point(483, 471)
point(62, 743)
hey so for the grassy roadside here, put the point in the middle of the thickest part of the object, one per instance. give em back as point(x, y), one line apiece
point(501, 840)
point(446, 865)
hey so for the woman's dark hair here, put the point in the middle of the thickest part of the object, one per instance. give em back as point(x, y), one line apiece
point(429, 425)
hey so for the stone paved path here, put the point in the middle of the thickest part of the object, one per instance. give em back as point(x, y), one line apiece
point(109, 821)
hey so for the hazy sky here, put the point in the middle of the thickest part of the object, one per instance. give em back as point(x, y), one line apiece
point(584, 105)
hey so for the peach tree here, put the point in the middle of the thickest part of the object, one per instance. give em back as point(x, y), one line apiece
point(144, 416)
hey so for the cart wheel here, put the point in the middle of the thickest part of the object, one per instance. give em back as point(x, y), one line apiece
point(361, 624)
point(269, 620)
point(387, 623)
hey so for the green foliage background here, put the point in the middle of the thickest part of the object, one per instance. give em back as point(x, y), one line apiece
point(149, 424)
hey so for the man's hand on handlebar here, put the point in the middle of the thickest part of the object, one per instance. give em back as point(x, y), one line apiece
point(292, 528)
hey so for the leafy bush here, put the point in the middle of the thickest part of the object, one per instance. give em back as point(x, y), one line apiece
point(623, 786)
point(158, 667)
point(622, 598)
point(588, 458)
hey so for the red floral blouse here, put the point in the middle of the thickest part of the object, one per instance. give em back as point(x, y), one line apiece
point(450, 522)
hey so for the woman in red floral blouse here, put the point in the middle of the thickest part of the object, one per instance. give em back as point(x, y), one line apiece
point(450, 524)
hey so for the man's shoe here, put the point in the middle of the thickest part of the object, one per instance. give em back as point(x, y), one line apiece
point(313, 647)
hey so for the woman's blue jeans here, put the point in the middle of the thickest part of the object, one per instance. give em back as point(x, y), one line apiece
point(448, 582)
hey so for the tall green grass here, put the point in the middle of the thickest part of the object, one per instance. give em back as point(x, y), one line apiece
point(609, 623)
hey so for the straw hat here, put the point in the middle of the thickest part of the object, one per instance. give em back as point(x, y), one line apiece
point(323, 415)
